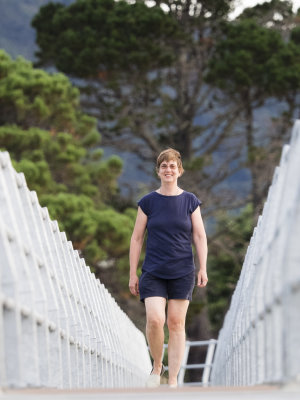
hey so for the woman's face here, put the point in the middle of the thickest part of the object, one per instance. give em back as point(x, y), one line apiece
point(168, 171)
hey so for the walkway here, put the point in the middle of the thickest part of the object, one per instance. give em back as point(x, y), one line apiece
point(290, 392)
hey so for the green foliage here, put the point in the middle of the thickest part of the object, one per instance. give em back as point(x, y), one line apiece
point(227, 251)
point(243, 59)
point(73, 212)
point(295, 35)
point(253, 62)
point(266, 12)
point(50, 142)
point(38, 174)
point(104, 35)
point(113, 232)
point(195, 164)
point(99, 233)
point(60, 163)
point(31, 97)
point(284, 71)
point(127, 53)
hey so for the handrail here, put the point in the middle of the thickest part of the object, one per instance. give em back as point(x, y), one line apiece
point(59, 325)
point(260, 339)
point(206, 366)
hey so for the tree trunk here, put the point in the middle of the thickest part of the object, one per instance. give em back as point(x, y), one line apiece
point(251, 162)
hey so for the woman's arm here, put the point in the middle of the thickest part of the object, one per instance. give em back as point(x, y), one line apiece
point(200, 242)
point(136, 244)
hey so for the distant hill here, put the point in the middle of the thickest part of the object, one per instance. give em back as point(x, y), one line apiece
point(17, 36)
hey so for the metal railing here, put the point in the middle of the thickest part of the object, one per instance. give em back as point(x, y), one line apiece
point(206, 366)
point(260, 339)
point(59, 326)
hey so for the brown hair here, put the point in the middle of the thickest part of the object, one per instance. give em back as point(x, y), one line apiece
point(168, 155)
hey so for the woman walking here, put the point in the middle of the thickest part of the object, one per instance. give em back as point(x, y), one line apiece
point(173, 220)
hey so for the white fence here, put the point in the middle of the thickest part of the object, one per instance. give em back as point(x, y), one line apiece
point(206, 366)
point(260, 339)
point(59, 326)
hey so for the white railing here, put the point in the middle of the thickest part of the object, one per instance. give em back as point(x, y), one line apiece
point(206, 366)
point(260, 339)
point(59, 326)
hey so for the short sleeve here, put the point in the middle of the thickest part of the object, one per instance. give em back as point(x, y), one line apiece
point(194, 203)
point(143, 203)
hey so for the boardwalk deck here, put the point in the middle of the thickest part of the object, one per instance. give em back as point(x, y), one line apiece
point(290, 392)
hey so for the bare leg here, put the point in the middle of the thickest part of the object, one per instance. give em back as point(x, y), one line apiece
point(177, 310)
point(155, 315)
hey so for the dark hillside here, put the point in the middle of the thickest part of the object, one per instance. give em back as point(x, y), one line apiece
point(17, 36)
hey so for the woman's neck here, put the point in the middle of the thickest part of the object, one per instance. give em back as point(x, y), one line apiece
point(169, 190)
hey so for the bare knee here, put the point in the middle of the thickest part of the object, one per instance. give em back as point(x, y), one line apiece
point(176, 324)
point(155, 322)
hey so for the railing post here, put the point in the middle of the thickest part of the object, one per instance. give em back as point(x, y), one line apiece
point(208, 362)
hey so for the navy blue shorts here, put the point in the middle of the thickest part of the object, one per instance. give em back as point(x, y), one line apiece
point(180, 288)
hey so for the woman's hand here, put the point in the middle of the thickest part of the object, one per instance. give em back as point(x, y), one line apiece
point(134, 285)
point(136, 244)
point(202, 278)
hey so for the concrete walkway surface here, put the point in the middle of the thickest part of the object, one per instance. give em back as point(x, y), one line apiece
point(288, 392)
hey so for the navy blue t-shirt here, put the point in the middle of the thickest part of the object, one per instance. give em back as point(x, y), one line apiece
point(169, 252)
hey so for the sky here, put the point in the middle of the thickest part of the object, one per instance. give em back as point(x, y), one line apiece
point(241, 4)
